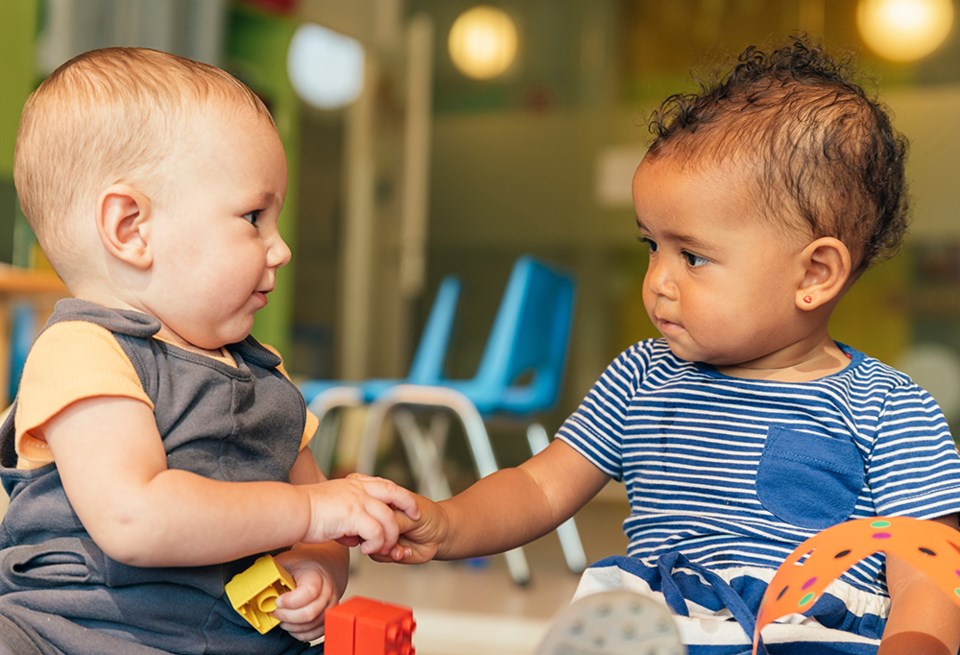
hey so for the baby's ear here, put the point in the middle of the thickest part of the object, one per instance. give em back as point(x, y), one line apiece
point(123, 223)
point(826, 264)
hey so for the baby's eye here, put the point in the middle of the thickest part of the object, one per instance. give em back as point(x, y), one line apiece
point(651, 244)
point(694, 261)
point(253, 216)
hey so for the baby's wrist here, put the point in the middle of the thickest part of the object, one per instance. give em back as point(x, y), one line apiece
point(442, 523)
point(306, 511)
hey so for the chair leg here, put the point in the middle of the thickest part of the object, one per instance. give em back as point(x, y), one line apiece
point(567, 531)
point(327, 407)
point(486, 463)
point(377, 413)
point(517, 565)
point(477, 439)
point(424, 453)
point(380, 410)
point(437, 433)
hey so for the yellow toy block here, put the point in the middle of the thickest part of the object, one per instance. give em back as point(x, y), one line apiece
point(253, 593)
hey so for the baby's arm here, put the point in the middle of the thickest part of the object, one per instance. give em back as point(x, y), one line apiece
point(922, 618)
point(320, 571)
point(506, 509)
point(114, 470)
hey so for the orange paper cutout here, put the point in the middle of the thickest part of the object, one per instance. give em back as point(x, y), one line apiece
point(931, 547)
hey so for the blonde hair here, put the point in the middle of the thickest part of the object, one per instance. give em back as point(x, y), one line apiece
point(108, 116)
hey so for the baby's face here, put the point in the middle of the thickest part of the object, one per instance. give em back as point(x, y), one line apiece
point(215, 236)
point(721, 282)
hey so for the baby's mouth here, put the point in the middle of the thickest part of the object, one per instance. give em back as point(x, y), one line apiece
point(667, 327)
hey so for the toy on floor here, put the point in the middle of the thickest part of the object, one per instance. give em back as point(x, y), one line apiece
point(933, 548)
point(362, 626)
point(616, 622)
point(359, 626)
point(253, 593)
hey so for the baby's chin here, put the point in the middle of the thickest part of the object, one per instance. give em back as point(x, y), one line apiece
point(215, 343)
point(687, 354)
point(701, 356)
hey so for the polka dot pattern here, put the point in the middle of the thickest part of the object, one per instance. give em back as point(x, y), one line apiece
point(931, 547)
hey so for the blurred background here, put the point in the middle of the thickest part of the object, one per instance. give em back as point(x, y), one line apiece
point(436, 137)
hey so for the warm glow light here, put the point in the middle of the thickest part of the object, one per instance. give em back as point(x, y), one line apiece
point(904, 30)
point(325, 68)
point(483, 42)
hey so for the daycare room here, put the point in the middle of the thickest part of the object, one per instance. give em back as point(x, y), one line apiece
point(465, 259)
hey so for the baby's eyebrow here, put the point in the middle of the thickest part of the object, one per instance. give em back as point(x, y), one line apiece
point(687, 240)
point(690, 241)
point(266, 198)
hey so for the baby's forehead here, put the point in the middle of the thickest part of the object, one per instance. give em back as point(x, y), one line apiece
point(740, 174)
point(715, 155)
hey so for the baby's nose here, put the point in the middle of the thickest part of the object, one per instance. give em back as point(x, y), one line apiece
point(278, 254)
point(659, 280)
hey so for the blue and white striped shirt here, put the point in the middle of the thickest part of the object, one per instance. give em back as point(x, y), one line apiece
point(734, 472)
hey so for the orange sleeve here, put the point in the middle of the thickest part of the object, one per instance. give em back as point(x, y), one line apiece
point(70, 361)
point(310, 428)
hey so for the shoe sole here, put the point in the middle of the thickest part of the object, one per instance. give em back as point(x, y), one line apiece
point(618, 622)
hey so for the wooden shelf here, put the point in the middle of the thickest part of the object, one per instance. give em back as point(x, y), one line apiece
point(15, 280)
point(40, 289)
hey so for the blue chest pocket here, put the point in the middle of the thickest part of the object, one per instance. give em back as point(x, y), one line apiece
point(808, 480)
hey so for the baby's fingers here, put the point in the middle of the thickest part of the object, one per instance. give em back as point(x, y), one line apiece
point(398, 553)
point(305, 603)
point(404, 522)
point(377, 528)
point(390, 493)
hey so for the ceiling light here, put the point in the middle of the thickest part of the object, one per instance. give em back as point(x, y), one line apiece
point(325, 67)
point(483, 42)
point(904, 30)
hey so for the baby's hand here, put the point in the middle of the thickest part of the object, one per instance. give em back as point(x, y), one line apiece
point(358, 510)
point(301, 611)
point(420, 539)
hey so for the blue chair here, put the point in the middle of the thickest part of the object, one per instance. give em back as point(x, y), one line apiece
point(519, 377)
point(326, 398)
point(23, 330)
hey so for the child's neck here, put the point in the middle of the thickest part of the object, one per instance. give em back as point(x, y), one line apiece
point(169, 337)
point(103, 295)
point(792, 365)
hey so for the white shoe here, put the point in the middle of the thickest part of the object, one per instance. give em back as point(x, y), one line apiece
point(618, 622)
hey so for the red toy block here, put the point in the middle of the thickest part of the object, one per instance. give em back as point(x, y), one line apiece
point(363, 626)
point(340, 625)
point(388, 630)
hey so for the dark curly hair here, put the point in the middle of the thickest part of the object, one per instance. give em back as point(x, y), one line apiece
point(820, 146)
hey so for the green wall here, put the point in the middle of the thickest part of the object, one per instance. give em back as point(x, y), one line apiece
point(18, 28)
point(17, 74)
point(257, 54)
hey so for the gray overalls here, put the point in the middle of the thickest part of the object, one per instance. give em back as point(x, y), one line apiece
point(60, 594)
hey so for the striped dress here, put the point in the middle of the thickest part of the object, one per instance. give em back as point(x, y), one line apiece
point(727, 475)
